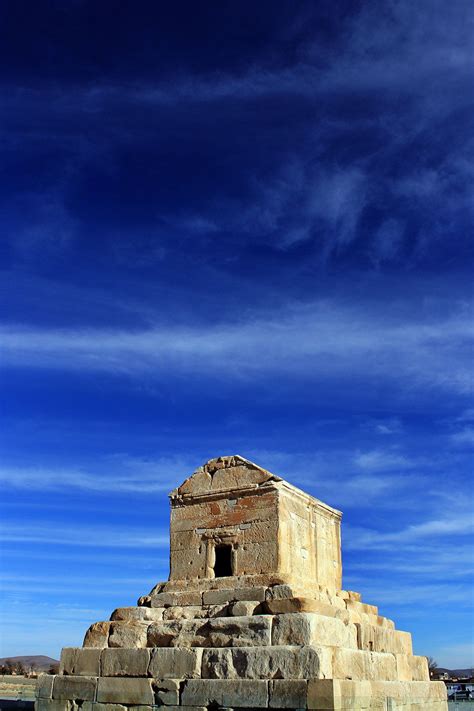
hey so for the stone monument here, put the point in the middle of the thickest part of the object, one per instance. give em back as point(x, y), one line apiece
point(253, 616)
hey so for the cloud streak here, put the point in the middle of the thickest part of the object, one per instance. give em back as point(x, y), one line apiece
point(320, 341)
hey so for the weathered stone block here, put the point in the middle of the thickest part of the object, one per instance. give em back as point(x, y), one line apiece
point(184, 613)
point(383, 639)
point(243, 608)
point(362, 607)
point(128, 634)
point(188, 597)
point(412, 668)
point(97, 635)
point(166, 691)
point(115, 690)
point(288, 694)
point(74, 687)
point(52, 705)
point(214, 632)
point(220, 597)
point(174, 663)
point(94, 706)
point(79, 661)
point(359, 665)
point(225, 692)
point(307, 628)
point(163, 599)
point(140, 614)
point(300, 604)
point(125, 662)
point(44, 686)
point(267, 663)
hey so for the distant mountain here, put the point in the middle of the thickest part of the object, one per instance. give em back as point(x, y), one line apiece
point(457, 672)
point(42, 662)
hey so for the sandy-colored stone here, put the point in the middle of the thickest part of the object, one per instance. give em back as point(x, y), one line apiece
point(214, 632)
point(97, 635)
point(128, 634)
point(410, 668)
point(44, 686)
point(139, 614)
point(302, 604)
point(78, 661)
point(172, 662)
point(244, 608)
point(52, 705)
point(288, 694)
point(190, 612)
point(359, 665)
point(114, 690)
point(95, 706)
point(307, 628)
point(220, 597)
point(267, 663)
point(125, 662)
point(383, 639)
point(225, 692)
point(166, 691)
point(74, 687)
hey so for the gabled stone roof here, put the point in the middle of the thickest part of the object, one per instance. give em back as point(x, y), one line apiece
point(229, 473)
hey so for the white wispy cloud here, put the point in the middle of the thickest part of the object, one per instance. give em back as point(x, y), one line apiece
point(84, 535)
point(131, 474)
point(457, 524)
point(380, 460)
point(464, 436)
point(317, 341)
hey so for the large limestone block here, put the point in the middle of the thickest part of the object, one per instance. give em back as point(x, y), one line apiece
point(215, 632)
point(113, 690)
point(219, 597)
point(78, 661)
point(337, 694)
point(383, 639)
point(334, 695)
point(125, 662)
point(248, 693)
point(190, 612)
point(267, 663)
point(362, 607)
point(243, 608)
point(128, 634)
point(166, 691)
point(97, 635)
point(167, 599)
point(74, 687)
point(410, 668)
point(94, 706)
point(288, 694)
point(139, 614)
point(307, 628)
point(52, 705)
point(305, 604)
point(44, 686)
point(359, 665)
point(171, 663)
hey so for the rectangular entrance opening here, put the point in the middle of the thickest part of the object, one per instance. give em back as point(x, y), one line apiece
point(223, 564)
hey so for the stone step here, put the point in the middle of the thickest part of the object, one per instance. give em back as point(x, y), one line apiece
point(286, 662)
point(292, 628)
point(336, 694)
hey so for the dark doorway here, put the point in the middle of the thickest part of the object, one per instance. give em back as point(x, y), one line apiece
point(223, 564)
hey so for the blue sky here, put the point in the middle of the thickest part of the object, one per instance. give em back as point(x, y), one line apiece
point(235, 228)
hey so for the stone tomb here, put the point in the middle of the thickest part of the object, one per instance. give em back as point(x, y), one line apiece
point(253, 616)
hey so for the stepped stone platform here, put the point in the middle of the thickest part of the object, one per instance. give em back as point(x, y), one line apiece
point(253, 616)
